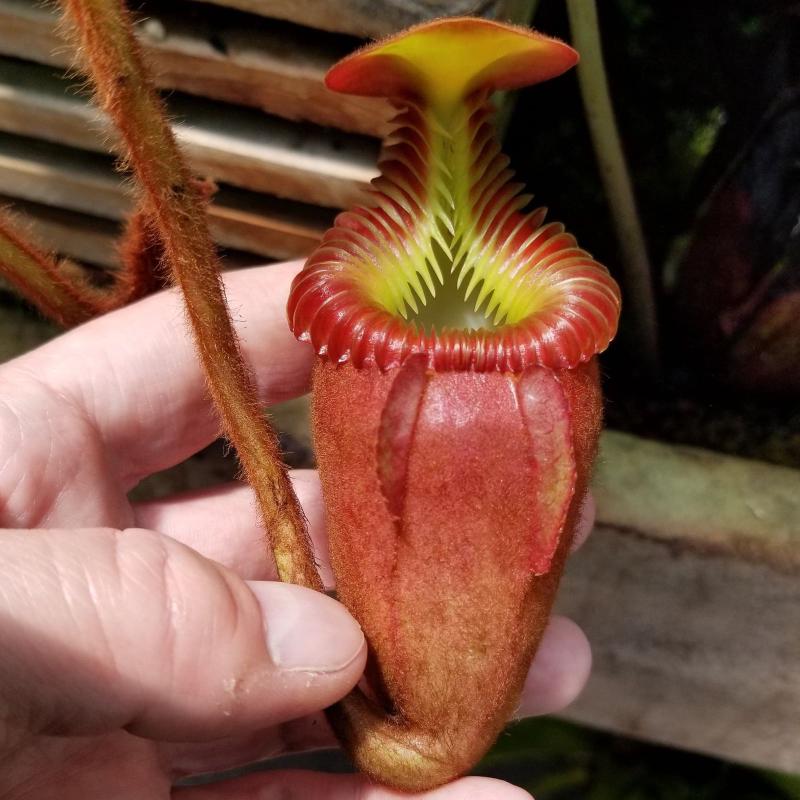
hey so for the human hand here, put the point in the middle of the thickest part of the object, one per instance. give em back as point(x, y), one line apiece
point(145, 642)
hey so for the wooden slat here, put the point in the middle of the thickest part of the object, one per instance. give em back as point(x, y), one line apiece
point(89, 239)
point(266, 226)
point(60, 177)
point(231, 145)
point(376, 17)
point(86, 183)
point(248, 61)
point(689, 591)
point(92, 240)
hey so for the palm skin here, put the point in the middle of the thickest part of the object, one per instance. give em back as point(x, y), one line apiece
point(144, 642)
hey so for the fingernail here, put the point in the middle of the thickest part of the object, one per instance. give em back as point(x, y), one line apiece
point(305, 630)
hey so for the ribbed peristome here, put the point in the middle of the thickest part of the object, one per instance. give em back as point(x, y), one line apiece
point(448, 261)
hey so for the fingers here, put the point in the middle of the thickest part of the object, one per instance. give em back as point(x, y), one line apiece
point(194, 758)
point(140, 382)
point(557, 676)
point(562, 664)
point(222, 524)
point(104, 630)
point(296, 785)
point(559, 671)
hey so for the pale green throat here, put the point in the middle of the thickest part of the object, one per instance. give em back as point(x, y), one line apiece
point(448, 272)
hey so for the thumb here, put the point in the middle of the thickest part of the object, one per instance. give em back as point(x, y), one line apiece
point(106, 629)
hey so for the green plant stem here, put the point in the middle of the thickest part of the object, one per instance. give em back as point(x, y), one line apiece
point(176, 207)
point(614, 173)
point(56, 288)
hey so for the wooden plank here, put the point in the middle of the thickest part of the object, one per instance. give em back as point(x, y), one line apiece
point(93, 240)
point(89, 239)
point(264, 225)
point(689, 591)
point(60, 177)
point(375, 17)
point(231, 145)
point(244, 60)
point(278, 158)
point(86, 183)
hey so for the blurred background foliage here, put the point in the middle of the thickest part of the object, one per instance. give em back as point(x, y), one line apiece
point(556, 760)
point(565, 762)
point(704, 94)
point(690, 83)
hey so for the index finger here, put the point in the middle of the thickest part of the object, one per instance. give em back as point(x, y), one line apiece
point(134, 373)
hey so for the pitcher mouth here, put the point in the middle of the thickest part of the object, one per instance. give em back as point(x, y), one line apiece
point(558, 314)
point(563, 314)
point(447, 261)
